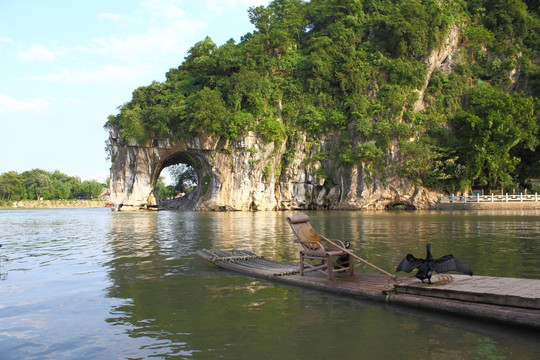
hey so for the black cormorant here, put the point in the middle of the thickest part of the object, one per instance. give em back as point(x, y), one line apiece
point(429, 264)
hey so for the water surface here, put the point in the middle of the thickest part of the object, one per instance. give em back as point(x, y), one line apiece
point(91, 283)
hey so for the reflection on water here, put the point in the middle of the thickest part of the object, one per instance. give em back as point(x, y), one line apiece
point(97, 284)
point(3, 270)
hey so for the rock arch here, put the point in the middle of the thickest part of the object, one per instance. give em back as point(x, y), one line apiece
point(136, 168)
point(248, 174)
point(187, 202)
point(239, 176)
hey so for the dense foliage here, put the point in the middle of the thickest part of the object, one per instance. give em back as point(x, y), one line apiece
point(355, 68)
point(40, 184)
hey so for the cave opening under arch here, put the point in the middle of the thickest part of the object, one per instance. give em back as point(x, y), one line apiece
point(185, 172)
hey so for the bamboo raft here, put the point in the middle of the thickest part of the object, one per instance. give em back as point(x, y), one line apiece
point(504, 300)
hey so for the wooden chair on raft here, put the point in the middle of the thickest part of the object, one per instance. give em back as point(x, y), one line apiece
point(316, 247)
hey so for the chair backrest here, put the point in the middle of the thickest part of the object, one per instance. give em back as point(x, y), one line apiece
point(306, 235)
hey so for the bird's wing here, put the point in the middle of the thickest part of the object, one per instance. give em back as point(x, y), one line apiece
point(409, 263)
point(450, 263)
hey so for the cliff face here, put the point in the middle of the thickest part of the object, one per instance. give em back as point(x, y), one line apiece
point(245, 176)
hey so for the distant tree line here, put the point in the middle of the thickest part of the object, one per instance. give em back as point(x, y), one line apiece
point(39, 184)
point(355, 68)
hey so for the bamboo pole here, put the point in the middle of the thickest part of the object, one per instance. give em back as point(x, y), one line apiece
point(359, 258)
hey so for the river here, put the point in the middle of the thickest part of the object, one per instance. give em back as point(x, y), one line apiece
point(96, 284)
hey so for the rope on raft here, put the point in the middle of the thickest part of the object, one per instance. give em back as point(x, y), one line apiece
point(236, 258)
point(285, 273)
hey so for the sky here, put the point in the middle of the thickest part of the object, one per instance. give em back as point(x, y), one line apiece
point(66, 65)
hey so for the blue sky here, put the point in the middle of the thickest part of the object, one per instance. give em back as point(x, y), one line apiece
point(65, 65)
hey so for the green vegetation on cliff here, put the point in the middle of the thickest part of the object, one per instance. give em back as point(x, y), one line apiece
point(356, 68)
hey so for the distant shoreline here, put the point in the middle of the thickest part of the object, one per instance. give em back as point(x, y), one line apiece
point(56, 204)
point(76, 204)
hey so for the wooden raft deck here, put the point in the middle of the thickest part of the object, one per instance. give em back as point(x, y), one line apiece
point(521, 293)
point(505, 300)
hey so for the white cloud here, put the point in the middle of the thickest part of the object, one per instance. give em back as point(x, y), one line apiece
point(36, 53)
point(165, 9)
point(161, 30)
point(219, 6)
point(38, 106)
point(109, 16)
point(101, 74)
point(154, 44)
point(74, 101)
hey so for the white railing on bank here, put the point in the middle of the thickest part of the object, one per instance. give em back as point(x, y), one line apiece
point(489, 198)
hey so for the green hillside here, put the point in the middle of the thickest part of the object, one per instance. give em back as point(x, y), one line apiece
point(355, 69)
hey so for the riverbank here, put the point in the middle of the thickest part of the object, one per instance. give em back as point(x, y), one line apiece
point(56, 204)
point(488, 206)
point(490, 202)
